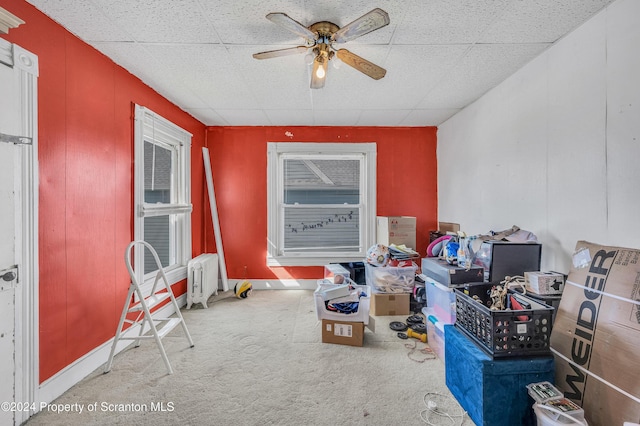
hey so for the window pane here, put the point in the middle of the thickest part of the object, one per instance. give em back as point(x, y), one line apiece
point(157, 232)
point(157, 173)
point(321, 229)
point(313, 181)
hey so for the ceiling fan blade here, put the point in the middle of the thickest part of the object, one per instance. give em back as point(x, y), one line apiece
point(280, 52)
point(292, 25)
point(368, 22)
point(361, 64)
point(316, 81)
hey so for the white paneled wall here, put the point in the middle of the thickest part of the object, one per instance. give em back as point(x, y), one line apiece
point(555, 149)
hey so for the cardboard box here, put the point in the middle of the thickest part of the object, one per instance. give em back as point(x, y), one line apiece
point(390, 304)
point(445, 227)
point(597, 334)
point(449, 275)
point(396, 230)
point(342, 332)
point(544, 282)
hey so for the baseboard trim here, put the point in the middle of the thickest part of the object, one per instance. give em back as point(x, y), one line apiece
point(278, 284)
point(62, 381)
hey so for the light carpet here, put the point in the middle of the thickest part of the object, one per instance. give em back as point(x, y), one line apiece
point(260, 361)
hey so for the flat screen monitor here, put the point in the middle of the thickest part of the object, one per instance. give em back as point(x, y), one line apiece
point(503, 258)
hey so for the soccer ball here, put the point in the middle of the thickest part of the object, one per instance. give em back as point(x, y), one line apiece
point(378, 255)
point(243, 289)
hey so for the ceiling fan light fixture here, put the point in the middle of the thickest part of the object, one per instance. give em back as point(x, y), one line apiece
point(319, 72)
point(320, 65)
point(308, 58)
point(320, 37)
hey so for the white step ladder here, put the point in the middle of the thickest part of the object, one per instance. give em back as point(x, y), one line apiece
point(142, 308)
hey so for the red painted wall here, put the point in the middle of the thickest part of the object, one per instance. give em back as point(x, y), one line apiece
point(85, 127)
point(406, 172)
point(85, 113)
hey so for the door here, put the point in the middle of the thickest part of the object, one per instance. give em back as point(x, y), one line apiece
point(8, 275)
point(18, 241)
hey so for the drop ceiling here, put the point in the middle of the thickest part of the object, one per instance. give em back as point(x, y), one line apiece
point(440, 55)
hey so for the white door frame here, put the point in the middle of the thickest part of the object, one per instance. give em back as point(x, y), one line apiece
point(26, 296)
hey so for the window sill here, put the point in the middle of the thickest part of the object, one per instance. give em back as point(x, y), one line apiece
point(174, 276)
point(310, 261)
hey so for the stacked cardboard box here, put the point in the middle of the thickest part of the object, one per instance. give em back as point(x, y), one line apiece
point(396, 230)
point(390, 304)
point(342, 332)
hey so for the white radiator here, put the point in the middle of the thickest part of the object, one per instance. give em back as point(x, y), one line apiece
point(202, 279)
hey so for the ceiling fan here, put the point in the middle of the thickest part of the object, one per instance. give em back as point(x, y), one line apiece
point(320, 38)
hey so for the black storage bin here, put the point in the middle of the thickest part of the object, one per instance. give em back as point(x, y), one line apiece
point(449, 275)
point(507, 333)
point(356, 269)
point(552, 300)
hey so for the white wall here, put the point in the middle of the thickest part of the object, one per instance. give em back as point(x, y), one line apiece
point(555, 149)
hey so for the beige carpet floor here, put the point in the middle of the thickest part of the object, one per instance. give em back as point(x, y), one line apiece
point(260, 361)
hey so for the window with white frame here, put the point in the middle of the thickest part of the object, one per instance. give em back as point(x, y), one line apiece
point(162, 195)
point(321, 202)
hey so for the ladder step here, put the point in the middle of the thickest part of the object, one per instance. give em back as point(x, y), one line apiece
point(168, 326)
point(163, 325)
point(151, 301)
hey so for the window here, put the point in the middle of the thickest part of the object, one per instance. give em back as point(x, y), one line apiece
point(162, 195)
point(321, 202)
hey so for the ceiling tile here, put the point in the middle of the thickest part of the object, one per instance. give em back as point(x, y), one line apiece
point(427, 117)
point(243, 117)
point(214, 76)
point(387, 118)
point(290, 117)
point(414, 71)
point(153, 21)
point(207, 115)
point(336, 117)
point(540, 21)
point(447, 22)
point(483, 67)
point(85, 19)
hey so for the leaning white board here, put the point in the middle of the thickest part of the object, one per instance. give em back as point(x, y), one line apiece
point(216, 221)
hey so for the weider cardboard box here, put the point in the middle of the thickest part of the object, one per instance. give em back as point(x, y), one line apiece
point(597, 334)
point(396, 230)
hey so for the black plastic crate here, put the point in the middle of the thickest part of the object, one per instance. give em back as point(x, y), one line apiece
point(505, 333)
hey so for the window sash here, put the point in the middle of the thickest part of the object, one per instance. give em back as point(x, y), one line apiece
point(153, 129)
point(281, 252)
point(160, 232)
point(157, 179)
point(329, 229)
